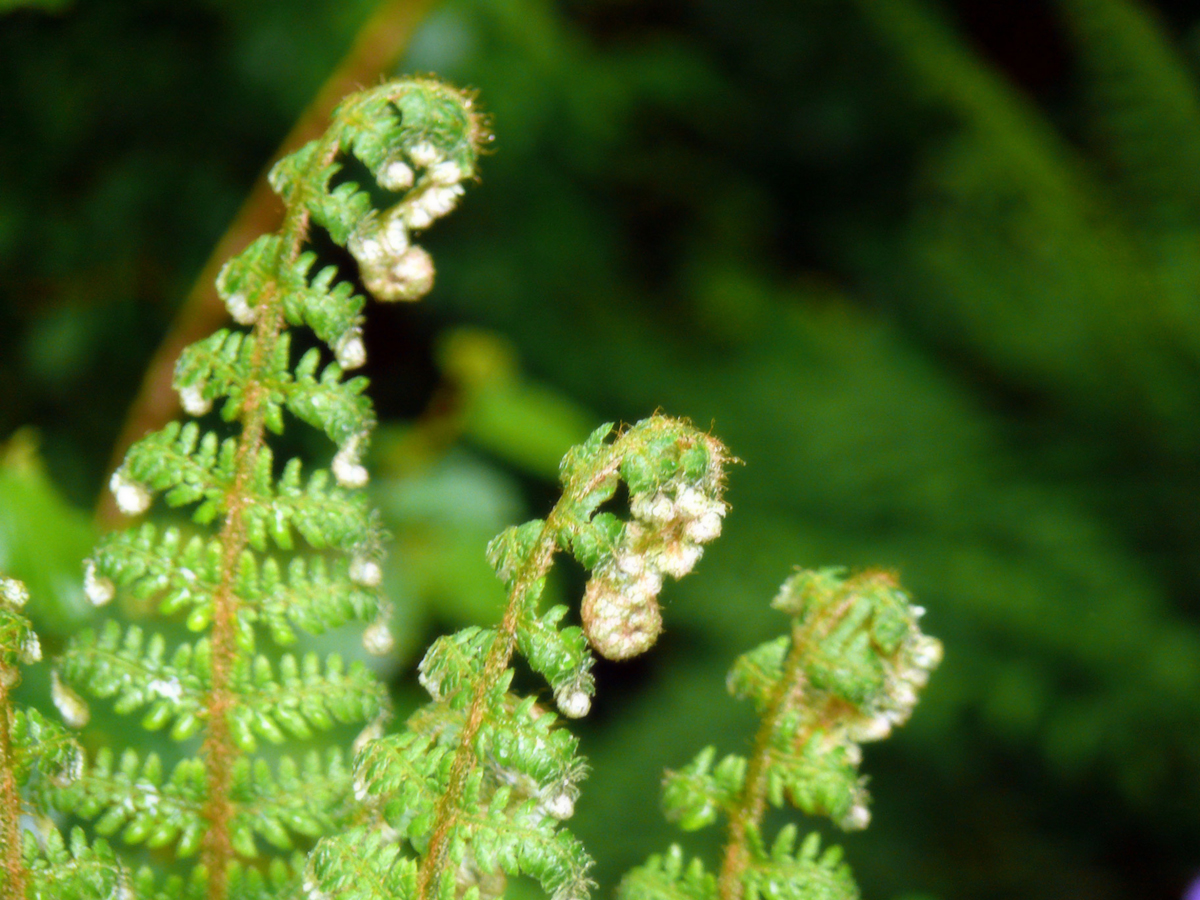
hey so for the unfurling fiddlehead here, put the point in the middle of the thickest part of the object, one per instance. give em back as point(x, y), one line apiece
point(847, 672)
point(288, 550)
point(478, 784)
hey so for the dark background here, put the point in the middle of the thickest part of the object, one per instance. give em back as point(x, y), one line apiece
point(930, 270)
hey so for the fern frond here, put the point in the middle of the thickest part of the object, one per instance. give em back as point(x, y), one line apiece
point(809, 874)
point(479, 785)
point(847, 672)
point(156, 566)
point(305, 799)
point(76, 871)
point(122, 664)
point(297, 696)
point(38, 759)
point(129, 795)
point(184, 464)
point(666, 878)
point(311, 595)
point(360, 864)
point(418, 140)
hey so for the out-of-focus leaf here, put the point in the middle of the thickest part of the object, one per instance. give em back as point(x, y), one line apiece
point(441, 517)
point(520, 421)
point(43, 539)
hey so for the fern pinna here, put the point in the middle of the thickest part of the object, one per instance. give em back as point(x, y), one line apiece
point(475, 789)
point(846, 673)
point(38, 758)
point(277, 549)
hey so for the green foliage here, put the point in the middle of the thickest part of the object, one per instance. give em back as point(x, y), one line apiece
point(847, 673)
point(927, 306)
point(36, 757)
point(479, 783)
point(283, 550)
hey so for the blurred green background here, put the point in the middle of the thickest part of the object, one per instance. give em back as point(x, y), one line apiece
point(932, 271)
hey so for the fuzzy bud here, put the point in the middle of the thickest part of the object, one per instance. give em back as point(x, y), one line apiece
point(408, 277)
point(446, 173)
point(926, 652)
point(13, 592)
point(871, 728)
point(856, 818)
point(132, 498)
point(622, 620)
point(560, 805)
point(98, 589)
point(368, 251)
point(655, 509)
point(573, 703)
point(378, 640)
point(425, 155)
point(70, 705)
point(418, 217)
point(680, 557)
point(31, 649)
point(351, 352)
point(365, 572)
point(240, 309)
point(393, 237)
point(348, 471)
point(193, 401)
point(431, 204)
point(705, 527)
point(395, 176)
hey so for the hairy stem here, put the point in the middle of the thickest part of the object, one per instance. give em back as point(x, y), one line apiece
point(752, 805)
point(535, 568)
point(13, 887)
point(218, 749)
point(464, 758)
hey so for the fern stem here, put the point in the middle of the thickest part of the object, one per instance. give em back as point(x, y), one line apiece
point(536, 566)
point(13, 887)
point(748, 814)
point(497, 661)
point(219, 749)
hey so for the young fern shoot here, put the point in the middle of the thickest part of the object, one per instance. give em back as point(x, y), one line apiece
point(479, 782)
point(37, 758)
point(285, 551)
point(847, 672)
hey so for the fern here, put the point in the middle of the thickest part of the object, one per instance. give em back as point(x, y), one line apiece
point(847, 673)
point(38, 756)
point(477, 785)
point(277, 548)
point(479, 782)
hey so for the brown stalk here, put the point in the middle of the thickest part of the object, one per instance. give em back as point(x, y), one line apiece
point(752, 805)
point(218, 749)
point(13, 886)
point(538, 564)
